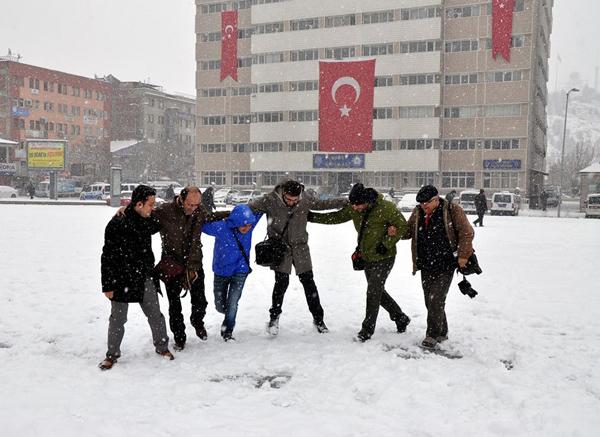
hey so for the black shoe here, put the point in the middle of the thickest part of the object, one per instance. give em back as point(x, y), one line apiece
point(273, 326)
point(361, 337)
point(201, 333)
point(227, 336)
point(402, 323)
point(167, 355)
point(321, 327)
point(107, 363)
point(179, 346)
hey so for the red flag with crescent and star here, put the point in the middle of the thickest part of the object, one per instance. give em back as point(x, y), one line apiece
point(229, 37)
point(346, 106)
point(502, 18)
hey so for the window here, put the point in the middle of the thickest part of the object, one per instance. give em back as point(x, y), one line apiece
point(213, 120)
point(61, 88)
point(214, 8)
point(213, 148)
point(306, 24)
point(240, 148)
point(340, 53)
point(246, 62)
point(501, 179)
point(243, 91)
point(270, 88)
point(267, 117)
point(273, 177)
point(419, 79)
point(466, 45)
point(34, 84)
point(340, 20)
point(417, 111)
point(503, 110)
point(307, 85)
point(501, 143)
point(241, 119)
point(213, 177)
point(242, 4)
point(245, 33)
point(75, 91)
point(310, 179)
point(419, 144)
point(382, 145)
point(150, 118)
point(213, 64)
point(268, 58)
point(378, 49)
point(420, 46)
point(458, 79)
point(384, 179)
point(243, 177)
point(458, 179)
point(504, 76)
point(267, 147)
point(382, 113)
point(383, 81)
point(210, 36)
point(269, 28)
point(304, 115)
point(425, 178)
point(377, 17)
point(303, 146)
point(463, 112)
point(304, 55)
point(214, 92)
point(464, 11)
point(459, 144)
point(420, 13)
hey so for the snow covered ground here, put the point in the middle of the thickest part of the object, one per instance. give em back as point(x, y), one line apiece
point(530, 343)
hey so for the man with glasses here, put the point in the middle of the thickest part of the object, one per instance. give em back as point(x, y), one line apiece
point(438, 230)
point(287, 208)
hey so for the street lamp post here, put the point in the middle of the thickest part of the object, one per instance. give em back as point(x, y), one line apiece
point(562, 155)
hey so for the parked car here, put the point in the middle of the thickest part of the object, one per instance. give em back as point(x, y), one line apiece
point(6, 191)
point(505, 203)
point(124, 200)
point(467, 201)
point(592, 206)
point(224, 196)
point(408, 202)
point(245, 196)
point(553, 199)
point(97, 191)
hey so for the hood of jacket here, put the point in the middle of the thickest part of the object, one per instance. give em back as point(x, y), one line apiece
point(241, 215)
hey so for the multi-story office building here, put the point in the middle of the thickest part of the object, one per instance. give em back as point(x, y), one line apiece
point(38, 103)
point(157, 130)
point(445, 112)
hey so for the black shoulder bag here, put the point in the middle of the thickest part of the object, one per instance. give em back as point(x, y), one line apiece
point(270, 252)
point(239, 245)
point(358, 262)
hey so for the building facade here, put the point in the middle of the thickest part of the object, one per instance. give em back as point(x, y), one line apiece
point(445, 112)
point(153, 132)
point(39, 103)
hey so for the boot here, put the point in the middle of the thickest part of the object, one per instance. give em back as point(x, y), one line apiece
point(321, 327)
point(273, 326)
point(201, 333)
point(402, 323)
point(166, 355)
point(361, 337)
point(107, 363)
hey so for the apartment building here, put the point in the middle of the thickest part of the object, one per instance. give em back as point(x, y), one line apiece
point(445, 112)
point(153, 132)
point(37, 102)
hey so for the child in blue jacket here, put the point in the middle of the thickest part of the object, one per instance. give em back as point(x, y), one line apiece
point(230, 265)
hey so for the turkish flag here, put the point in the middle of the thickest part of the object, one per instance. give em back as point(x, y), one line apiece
point(229, 36)
point(346, 106)
point(502, 16)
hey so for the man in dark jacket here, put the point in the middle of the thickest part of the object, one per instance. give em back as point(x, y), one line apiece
point(438, 229)
point(372, 216)
point(287, 208)
point(208, 199)
point(180, 224)
point(127, 264)
point(481, 207)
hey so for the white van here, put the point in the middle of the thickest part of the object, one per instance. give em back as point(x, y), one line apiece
point(96, 191)
point(128, 186)
point(505, 203)
point(467, 201)
point(592, 206)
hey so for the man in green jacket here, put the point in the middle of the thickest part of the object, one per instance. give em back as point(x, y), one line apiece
point(369, 211)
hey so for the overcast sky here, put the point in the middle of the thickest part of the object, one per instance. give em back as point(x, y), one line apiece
point(154, 40)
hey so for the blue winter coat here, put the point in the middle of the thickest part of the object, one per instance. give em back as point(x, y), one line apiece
point(227, 257)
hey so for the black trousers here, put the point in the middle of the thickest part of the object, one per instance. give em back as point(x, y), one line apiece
point(282, 280)
point(435, 289)
point(199, 304)
point(376, 274)
point(479, 218)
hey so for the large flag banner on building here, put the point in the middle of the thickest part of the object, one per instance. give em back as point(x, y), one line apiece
point(229, 36)
point(502, 17)
point(346, 106)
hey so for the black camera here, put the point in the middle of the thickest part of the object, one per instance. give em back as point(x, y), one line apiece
point(466, 289)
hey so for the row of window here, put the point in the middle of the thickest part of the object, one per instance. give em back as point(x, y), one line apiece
point(62, 108)
point(214, 8)
point(477, 10)
point(491, 144)
point(49, 86)
point(482, 111)
point(61, 128)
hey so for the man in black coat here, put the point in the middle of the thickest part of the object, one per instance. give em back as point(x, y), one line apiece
point(481, 207)
point(127, 264)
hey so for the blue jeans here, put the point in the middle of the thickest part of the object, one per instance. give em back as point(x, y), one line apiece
point(228, 291)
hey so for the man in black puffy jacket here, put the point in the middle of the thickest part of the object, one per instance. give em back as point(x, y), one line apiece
point(127, 264)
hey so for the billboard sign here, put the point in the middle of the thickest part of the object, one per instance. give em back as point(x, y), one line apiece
point(8, 168)
point(46, 155)
point(502, 164)
point(339, 160)
point(17, 111)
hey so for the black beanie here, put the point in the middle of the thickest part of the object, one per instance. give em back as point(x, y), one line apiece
point(426, 193)
point(293, 188)
point(359, 195)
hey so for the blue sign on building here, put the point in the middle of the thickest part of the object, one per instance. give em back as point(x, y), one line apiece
point(502, 164)
point(19, 112)
point(338, 160)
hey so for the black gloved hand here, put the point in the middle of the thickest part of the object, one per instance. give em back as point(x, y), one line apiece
point(381, 249)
